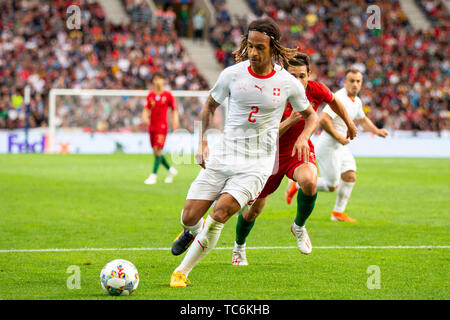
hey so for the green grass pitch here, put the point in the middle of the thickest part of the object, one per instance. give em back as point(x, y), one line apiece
point(100, 201)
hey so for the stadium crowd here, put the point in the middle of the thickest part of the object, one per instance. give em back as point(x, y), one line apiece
point(436, 12)
point(38, 47)
point(405, 71)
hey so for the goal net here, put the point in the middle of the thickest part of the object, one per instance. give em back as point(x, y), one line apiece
point(107, 121)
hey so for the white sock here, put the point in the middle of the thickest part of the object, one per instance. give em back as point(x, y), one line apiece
point(203, 243)
point(195, 229)
point(239, 246)
point(297, 226)
point(322, 185)
point(343, 194)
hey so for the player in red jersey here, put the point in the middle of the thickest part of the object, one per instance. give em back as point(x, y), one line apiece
point(304, 172)
point(155, 116)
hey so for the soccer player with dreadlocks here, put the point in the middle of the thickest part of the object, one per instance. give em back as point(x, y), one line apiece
point(235, 171)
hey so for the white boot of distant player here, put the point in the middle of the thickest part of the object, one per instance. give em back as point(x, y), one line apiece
point(303, 241)
point(172, 173)
point(239, 258)
point(152, 178)
point(203, 243)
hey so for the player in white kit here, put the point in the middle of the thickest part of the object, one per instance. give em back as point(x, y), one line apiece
point(336, 163)
point(240, 164)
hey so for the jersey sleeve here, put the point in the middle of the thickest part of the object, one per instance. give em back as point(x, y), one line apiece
point(172, 102)
point(325, 93)
point(360, 114)
point(297, 97)
point(328, 109)
point(221, 89)
point(147, 102)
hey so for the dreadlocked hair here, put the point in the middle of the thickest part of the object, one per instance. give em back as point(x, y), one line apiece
point(269, 27)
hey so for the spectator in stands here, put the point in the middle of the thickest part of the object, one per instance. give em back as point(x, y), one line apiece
point(198, 22)
point(184, 20)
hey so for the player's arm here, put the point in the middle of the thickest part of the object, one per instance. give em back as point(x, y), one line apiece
point(293, 118)
point(175, 120)
point(206, 115)
point(300, 103)
point(175, 115)
point(369, 126)
point(340, 110)
point(146, 116)
point(327, 125)
point(217, 96)
point(301, 145)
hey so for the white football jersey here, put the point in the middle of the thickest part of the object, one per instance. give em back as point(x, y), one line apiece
point(256, 105)
point(354, 110)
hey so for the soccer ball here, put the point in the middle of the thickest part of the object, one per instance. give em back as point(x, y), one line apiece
point(119, 278)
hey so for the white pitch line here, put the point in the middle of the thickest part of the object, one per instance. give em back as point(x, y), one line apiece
point(220, 248)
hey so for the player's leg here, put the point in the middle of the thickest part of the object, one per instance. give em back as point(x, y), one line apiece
point(348, 179)
point(157, 152)
point(192, 222)
point(237, 191)
point(158, 140)
point(172, 172)
point(306, 176)
point(202, 193)
point(244, 225)
point(246, 220)
point(329, 162)
point(207, 239)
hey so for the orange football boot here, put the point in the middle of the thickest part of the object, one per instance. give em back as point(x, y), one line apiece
point(341, 216)
point(291, 191)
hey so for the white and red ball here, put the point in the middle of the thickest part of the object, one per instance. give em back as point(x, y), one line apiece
point(119, 278)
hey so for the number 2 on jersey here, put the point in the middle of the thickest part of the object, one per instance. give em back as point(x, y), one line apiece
point(254, 111)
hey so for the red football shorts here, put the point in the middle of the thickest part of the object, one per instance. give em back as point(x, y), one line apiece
point(286, 166)
point(157, 138)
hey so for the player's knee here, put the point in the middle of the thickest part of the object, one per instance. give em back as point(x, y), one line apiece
point(157, 151)
point(252, 214)
point(189, 216)
point(332, 188)
point(349, 176)
point(309, 186)
point(221, 213)
point(188, 219)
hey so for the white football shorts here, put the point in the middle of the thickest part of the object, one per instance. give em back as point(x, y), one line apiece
point(333, 159)
point(243, 186)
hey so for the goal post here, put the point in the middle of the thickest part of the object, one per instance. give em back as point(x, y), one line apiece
point(98, 98)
